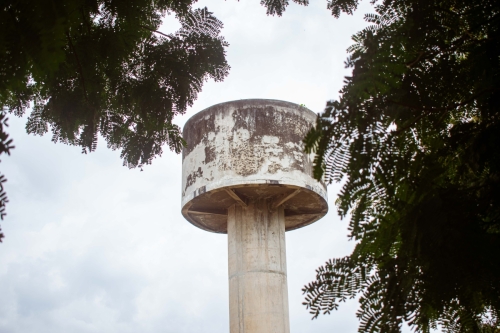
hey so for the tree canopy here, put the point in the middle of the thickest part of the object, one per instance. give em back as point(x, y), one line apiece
point(414, 138)
point(90, 67)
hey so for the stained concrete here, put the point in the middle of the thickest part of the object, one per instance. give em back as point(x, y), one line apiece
point(258, 294)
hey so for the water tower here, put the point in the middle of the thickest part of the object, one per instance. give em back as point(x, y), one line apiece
point(244, 173)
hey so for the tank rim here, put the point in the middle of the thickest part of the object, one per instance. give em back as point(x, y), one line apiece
point(246, 100)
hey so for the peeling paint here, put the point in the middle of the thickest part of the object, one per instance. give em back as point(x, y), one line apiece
point(191, 178)
point(209, 154)
point(246, 138)
point(248, 142)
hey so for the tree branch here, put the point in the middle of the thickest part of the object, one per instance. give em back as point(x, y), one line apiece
point(467, 101)
point(153, 30)
point(427, 111)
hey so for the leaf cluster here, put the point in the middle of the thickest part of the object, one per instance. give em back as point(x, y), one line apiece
point(277, 7)
point(99, 67)
point(92, 67)
point(5, 147)
point(414, 137)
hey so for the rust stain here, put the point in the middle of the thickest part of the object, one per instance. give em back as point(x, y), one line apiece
point(191, 179)
point(246, 159)
point(257, 116)
point(274, 167)
point(205, 123)
point(209, 153)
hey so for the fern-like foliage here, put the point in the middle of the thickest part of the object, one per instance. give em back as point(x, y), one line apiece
point(96, 68)
point(275, 7)
point(413, 137)
point(5, 147)
point(110, 73)
point(278, 7)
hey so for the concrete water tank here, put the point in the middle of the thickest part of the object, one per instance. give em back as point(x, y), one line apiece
point(245, 174)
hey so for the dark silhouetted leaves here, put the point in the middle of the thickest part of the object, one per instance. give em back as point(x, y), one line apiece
point(415, 137)
point(100, 68)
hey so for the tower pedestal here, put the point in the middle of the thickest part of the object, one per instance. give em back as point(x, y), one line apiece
point(258, 294)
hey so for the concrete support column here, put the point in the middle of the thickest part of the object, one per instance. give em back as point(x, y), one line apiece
point(258, 293)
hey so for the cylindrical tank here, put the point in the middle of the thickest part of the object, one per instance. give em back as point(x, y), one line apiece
point(245, 173)
point(245, 149)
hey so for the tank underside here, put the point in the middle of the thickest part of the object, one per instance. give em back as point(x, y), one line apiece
point(208, 210)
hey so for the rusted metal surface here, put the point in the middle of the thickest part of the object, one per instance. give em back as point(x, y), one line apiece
point(248, 149)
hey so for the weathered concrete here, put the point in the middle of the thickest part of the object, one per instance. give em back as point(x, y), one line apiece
point(254, 148)
point(245, 173)
point(258, 294)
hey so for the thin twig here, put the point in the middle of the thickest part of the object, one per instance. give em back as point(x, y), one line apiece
point(153, 30)
point(85, 21)
point(427, 111)
point(449, 107)
point(420, 54)
point(410, 124)
point(467, 36)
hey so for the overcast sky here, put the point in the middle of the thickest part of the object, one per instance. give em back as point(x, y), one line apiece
point(94, 247)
